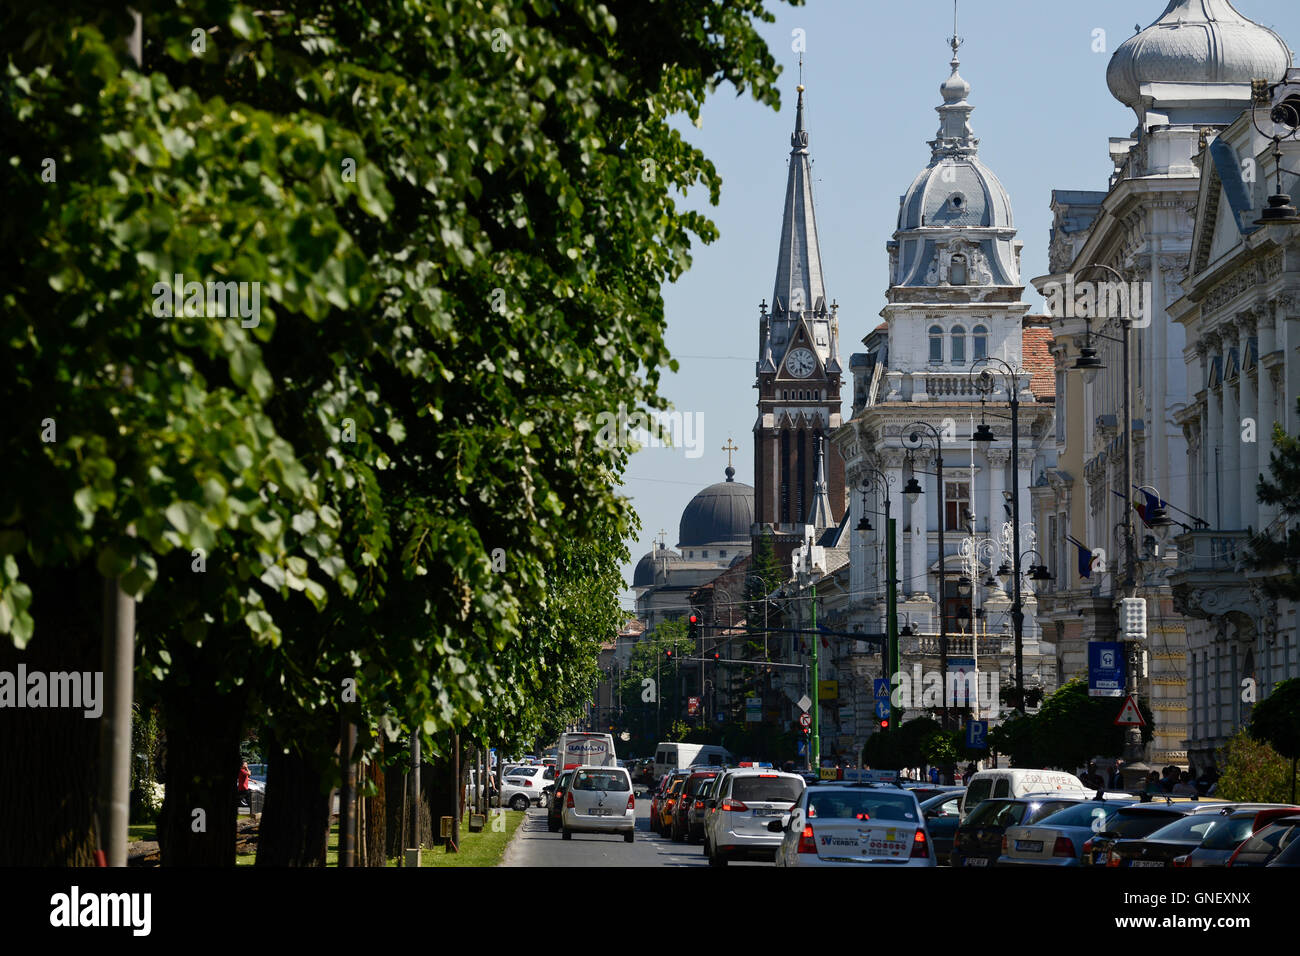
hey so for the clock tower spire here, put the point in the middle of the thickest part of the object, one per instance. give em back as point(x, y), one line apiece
point(798, 367)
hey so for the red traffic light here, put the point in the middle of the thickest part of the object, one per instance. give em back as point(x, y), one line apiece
point(668, 654)
point(884, 725)
point(694, 619)
point(716, 656)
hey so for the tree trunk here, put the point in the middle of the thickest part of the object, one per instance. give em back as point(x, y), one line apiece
point(376, 816)
point(51, 755)
point(296, 819)
point(197, 826)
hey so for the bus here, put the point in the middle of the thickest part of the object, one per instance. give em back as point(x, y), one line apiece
point(584, 750)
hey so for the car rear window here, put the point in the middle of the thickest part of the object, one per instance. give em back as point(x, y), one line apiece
point(1194, 827)
point(601, 780)
point(1040, 811)
point(1081, 815)
point(696, 785)
point(860, 805)
point(1141, 824)
point(1230, 834)
point(984, 814)
point(770, 789)
point(523, 772)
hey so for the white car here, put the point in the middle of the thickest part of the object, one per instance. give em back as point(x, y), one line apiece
point(855, 825)
point(599, 800)
point(522, 787)
point(740, 808)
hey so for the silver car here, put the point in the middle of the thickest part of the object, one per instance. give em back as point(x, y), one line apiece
point(599, 800)
point(1058, 839)
point(855, 825)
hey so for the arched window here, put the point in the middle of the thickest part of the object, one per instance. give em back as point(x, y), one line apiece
point(957, 272)
point(936, 344)
point(958, 345)
point(981, 343)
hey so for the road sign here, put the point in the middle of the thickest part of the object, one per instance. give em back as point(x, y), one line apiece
point(804, 702)
point(882, 709)
point(1105, 669)
point(828, 689)
point(800, 747)
point(805, 720)
point(1129, 714)
point(753, 710)
point(977, 733)
point(881, 685)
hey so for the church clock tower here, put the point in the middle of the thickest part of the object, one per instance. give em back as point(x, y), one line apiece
point(798, 370)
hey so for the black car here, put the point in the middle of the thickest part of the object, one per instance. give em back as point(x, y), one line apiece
point(1171, 842)
point(555, 805)
point(978, 841)
point(1135, 823)
point(1269, 844)
point(693, 793)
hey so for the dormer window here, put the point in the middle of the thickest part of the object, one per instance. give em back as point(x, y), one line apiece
point(957, 272)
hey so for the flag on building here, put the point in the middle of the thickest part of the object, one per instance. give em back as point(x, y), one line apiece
point(1085, 557)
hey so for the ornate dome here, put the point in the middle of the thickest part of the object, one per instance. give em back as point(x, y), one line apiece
point(956, 191)
point(721, 514)
point(1196, 42)
point(644, 575)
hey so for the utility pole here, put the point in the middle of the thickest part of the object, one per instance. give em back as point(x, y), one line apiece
point(413, 846)
point(816, 686)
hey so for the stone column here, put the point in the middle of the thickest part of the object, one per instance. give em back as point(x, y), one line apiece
point(997, 459)
point(1247, 509)
point(1267, 402)
point(917, 582)
point(1213, 438)
point(1230, 439)
point(1288, 336)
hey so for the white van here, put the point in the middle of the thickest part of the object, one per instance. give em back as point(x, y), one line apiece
point(584, 750)
point(670, 757)
point(991, 784)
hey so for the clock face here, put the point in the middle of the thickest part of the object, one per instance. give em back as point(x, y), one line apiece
point(801, 363)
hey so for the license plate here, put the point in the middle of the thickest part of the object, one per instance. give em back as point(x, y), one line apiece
point(601, 812)
point(1030, 846)
point(977, 861)
point(1146, 863)
point(768, 813)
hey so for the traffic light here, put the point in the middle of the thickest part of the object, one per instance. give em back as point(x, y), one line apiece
point(884, 723)
point(669, 654)
point(693, 623)
point(716, 656)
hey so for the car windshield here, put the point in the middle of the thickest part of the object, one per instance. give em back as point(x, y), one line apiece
point(601, 780)
point(1133, 825)
point(1081, 815)
point(767, 788)
point(1230, 834)
point(860, 805)
point(1190, 829)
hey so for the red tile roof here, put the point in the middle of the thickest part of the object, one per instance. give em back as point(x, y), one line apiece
point(1037, 357)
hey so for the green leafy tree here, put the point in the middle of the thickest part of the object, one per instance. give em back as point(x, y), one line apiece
point(1253, 771)
point(1275, 720)
point(1270, 549)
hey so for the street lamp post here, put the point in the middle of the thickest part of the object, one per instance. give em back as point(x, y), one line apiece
point(921, 433)
point(989, 368)
point(1089, 364)
point(877, 479)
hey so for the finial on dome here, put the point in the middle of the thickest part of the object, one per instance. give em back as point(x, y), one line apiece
point(799, 138)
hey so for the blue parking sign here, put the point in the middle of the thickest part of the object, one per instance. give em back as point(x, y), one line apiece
point(977, 733)
point(881, 685)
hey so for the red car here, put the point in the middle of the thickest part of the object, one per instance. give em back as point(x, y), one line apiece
point(655, 799)
point(692, 799)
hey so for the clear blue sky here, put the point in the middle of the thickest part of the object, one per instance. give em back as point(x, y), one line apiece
point(872, 70)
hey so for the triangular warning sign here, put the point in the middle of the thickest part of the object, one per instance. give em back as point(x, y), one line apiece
point(1129, 715)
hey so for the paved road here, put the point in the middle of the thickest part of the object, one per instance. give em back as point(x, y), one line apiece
point(534, 846)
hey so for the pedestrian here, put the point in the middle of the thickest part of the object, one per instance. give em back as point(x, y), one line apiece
point(934, 775)
point(241, 786)
point(1153, 783)
point(1185, 787)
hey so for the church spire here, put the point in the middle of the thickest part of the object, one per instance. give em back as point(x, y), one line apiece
point(821, 516)
point(799, 286)
point(955, 137)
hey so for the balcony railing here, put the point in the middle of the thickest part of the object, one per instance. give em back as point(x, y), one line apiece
point(1212, 550)
point(959, 646)
point(951, 386)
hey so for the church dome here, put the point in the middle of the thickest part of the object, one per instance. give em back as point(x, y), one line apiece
point(721, 514)
point(644, 575)
point(1196, 42)
point(956, 191)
